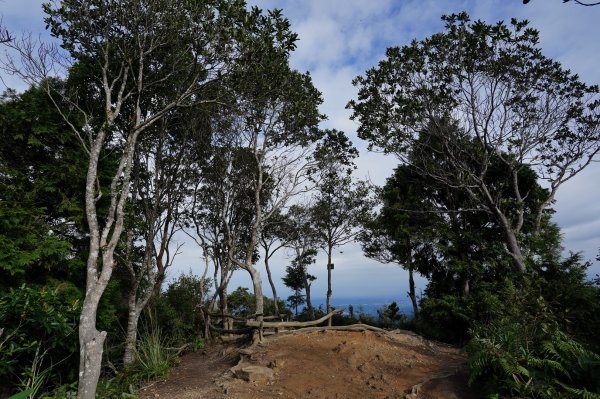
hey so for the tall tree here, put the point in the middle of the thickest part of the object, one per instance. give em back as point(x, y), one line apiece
point(277, 117)
point(134, 62)
point(222, 198)
point(40, 201)
point(490, 85)
point(160, 176)
point(273, 237)
point(303, 242)
point(340, 203)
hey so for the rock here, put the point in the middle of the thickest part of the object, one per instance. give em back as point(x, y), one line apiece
point(254, 373)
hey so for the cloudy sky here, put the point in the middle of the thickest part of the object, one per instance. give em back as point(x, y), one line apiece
point(340, 39)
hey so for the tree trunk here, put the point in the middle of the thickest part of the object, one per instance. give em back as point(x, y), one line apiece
point(275, 299)
point(227, 322)
point(136, 307)
point(309, 306)
point(412, 293)
point(90, 360)
point(258, 297)
point(328, 301)
point(466, 289)
point(91, 342)
point(131, 335)
point(223, 286)
point(512, 243)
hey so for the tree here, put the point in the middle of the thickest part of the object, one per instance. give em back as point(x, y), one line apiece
point(489, 85)
point(276, 119)
point(295, 278)
point(40, 204)
point(273, 237)
point(160, 175)
point(420, 228)
point(222, 195)
point(402, 231)
point(339, 202)
point(181, 303)
point(303, 241)
point(129, 65)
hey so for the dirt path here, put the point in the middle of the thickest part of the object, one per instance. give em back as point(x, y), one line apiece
point(325, 364)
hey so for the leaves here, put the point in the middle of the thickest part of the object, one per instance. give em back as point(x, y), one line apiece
point(475, 96)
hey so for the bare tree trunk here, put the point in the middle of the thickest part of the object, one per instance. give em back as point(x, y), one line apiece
point(272, 284)
point(466, 288)
point(258, 296)
point(136, 307)
point(91, 340)
point(329, 292)
point(227, 322)
point(91, 343)
point(131, 334)
point(411, 292)
point(512, 243)
point(309, 306)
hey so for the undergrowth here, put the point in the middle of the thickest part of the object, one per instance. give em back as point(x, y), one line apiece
point(509, 358)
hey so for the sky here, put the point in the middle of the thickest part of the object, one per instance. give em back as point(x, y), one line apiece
point(341, 39)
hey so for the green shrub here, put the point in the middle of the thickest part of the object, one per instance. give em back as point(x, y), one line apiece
point(36, 321)
point(528, 360)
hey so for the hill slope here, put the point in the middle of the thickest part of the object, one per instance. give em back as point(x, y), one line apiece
point(321, 363)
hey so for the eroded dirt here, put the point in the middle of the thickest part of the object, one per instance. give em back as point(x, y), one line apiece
point(324, 364)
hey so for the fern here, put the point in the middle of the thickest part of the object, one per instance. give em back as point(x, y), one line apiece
point(579, 393)
point(509, 360)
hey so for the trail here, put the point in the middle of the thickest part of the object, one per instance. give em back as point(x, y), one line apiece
point(321, 363)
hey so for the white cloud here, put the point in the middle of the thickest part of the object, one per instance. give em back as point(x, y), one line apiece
point(341, 39)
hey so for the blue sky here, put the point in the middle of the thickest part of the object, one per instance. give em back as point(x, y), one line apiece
point(340, 39)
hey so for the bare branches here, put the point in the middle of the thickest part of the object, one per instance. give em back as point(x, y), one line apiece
point(5, 35)
point(468, 106)
point(581, 3)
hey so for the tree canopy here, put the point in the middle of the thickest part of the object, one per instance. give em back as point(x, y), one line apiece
point(489, 85)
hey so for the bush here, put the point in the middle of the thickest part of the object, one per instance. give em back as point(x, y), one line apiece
point(39, 329)
point(241, 303)
point(517, 359)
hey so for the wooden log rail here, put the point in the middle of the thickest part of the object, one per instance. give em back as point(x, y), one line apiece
point(286, 324)
point(251, 325)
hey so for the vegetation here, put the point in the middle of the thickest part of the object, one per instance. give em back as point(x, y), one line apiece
point(478, 116)
point(185, 117)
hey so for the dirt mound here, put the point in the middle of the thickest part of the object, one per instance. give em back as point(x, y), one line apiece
point(323, 363)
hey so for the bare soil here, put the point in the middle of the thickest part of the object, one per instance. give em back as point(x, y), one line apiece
point(321, 363)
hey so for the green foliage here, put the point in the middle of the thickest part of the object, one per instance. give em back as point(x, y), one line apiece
point(41, 173)
point(197, 344)
point(38, 319)
point(23, 394)
point(178, 308)
point(538, 342)
point(391, 317)
point(124, 386)
point(573, 300)
point(242, 303)
point(449, 317)
point(65, 391)
point(525, 360)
